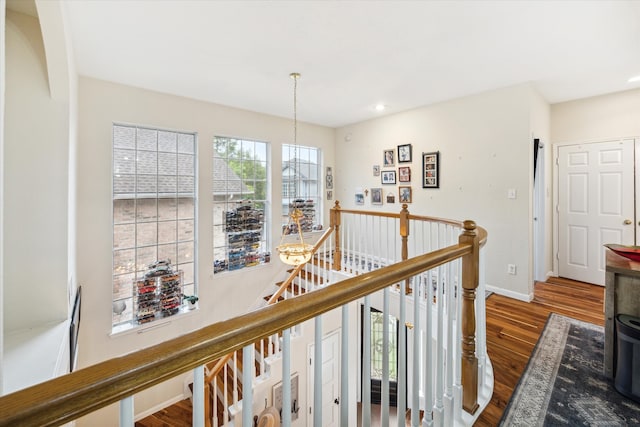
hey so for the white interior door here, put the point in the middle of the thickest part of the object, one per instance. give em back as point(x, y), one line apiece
point(330, 381)
point(595, 205)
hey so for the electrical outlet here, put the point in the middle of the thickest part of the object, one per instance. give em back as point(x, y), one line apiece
point(511, 268)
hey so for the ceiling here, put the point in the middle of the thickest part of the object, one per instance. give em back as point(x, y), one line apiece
point(355, 54)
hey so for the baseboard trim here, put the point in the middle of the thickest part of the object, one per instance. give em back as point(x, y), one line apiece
point(510, 294)
point(159, 407)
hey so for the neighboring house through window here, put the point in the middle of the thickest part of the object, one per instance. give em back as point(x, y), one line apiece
point(301, 184)
point(154, 219)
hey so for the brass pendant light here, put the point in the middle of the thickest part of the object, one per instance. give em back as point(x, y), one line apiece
point(294, 253)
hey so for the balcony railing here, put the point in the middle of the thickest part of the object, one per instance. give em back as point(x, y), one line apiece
point(429, 283)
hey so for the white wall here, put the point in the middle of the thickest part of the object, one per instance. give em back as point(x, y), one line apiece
point(598, 118)
point(221, 296)
point(35, 170)
point(485, 149)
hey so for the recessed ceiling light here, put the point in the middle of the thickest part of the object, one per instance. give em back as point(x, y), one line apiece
point(380, 107)
point(634, 79)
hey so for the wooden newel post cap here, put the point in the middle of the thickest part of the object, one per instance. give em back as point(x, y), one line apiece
point(337, 204)
point(469, 226)
point(405, 207)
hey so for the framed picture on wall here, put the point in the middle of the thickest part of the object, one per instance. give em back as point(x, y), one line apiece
point(376, 196)
point(404, 153)
point(388, 159)
point(388, 177)
point(404, 174)
point(404, 194)
point(431, 170)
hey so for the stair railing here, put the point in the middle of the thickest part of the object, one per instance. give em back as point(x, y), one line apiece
point(66, 398)
point(224, 361)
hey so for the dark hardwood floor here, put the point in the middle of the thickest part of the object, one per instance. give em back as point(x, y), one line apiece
point(513, 328)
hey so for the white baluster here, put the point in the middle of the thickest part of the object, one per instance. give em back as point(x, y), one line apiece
point(198, 397)
point(317, 373)
point(438, 407)
point(126, 412)
point(450, 349)
point(366, 362)
point(402, 360)
point(247, 385)
point(384, 404)
point(235, 376)
point(344, 369)
point(428, 354)
point(286, 378)
point(214, 399)
point(415, 392)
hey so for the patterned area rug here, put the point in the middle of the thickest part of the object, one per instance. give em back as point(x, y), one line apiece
point(563, 384)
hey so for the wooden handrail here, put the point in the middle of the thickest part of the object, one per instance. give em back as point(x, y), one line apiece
point(283, 287)
point(81, 392)
point(272, 300)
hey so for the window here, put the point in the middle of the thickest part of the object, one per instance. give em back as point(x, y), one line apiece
point(154, 223)
point(240, 201)
point(301, 184)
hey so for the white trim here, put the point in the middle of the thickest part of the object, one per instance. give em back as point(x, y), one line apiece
point(510, 294)
point(159, 407)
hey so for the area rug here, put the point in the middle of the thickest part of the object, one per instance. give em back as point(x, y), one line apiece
point(563, 383)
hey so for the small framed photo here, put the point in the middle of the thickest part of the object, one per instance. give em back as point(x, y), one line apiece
point(431, 170)
point(388, 177)
point(391, 198)
point(404, 174)
point(389, 158)
point(376, 170)
point(329, 194)
point(404, 153)
point(376, 196)
point(329, 178)
point(359, 198)
point(404, 194)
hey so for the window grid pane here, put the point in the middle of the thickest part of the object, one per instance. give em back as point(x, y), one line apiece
point(154, 219)
point(240, 204)
point(301, 185)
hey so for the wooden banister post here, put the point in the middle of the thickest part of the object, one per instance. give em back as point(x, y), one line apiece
point(470, 265)
point(334, 219)
point(404, 233)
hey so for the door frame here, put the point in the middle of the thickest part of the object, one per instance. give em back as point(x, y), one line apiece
point(337, 333)
point(556, 188)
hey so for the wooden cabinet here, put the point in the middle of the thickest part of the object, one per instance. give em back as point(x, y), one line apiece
point(622, 296)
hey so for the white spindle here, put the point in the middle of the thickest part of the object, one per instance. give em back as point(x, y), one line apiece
point(415, 391)
point(262, 357)
point(450, 345)
point(214, 398)
point(126, 412)
point(225, 392)
point(317, 373)
point(286, 378)
point(198, 397)
point(401, 355)
point(384, 403)
point(247, 385)
point(438, 407)
point(366, 362)
point(235, 376)
point(428, 353)
point(344, 369)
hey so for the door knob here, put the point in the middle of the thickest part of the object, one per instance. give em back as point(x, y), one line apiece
point(337, 401)
point(627, 222)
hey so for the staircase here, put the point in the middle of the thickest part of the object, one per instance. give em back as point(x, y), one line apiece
point(226, 384)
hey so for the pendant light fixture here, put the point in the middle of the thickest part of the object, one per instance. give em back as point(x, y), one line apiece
point(298, 252)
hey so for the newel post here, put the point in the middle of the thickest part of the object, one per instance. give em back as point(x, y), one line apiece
point(470, 276)
point(334, 221)
point(404, 234)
